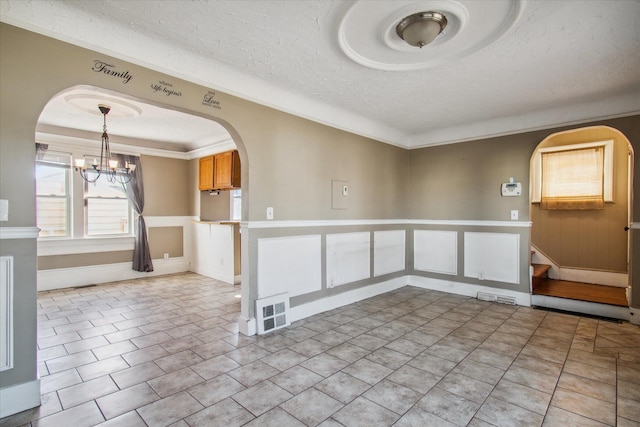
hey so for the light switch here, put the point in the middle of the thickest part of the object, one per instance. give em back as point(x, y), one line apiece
point(269, 212)
point(4, 210)
point(345, 190)
point(514, 215)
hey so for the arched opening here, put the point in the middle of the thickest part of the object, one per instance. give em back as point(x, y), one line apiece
point(170, 140)
point(579, 236)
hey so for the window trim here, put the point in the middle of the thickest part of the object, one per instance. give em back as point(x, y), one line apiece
point(536, 180)
point(68, 197)
point(81, 147)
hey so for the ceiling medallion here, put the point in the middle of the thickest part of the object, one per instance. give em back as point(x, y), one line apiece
point(409, 35)
point(86, 103)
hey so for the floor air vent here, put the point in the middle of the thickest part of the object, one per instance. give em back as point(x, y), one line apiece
point(272, 313)
point(496, 298)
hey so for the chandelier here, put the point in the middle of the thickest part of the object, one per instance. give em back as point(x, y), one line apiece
point(108, 164)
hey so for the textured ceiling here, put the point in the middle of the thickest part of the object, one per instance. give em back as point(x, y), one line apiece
point(560, 62)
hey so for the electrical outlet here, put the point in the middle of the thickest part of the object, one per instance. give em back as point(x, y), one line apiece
point(166, 256)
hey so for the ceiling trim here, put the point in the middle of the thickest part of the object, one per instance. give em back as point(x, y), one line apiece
point(74, 144)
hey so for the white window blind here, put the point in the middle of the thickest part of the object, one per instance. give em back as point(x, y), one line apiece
point(573, 179)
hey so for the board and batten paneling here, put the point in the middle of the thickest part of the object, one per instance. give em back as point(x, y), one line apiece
point(290, 265)
point(388, 251)
point(435, 251)
point(492, 256)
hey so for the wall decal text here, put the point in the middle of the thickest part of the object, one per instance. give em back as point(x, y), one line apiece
point(208, 100)
point(165, 88)
point(109, 69)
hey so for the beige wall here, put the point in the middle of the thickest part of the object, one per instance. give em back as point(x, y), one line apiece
point(462, 181)
point(166, 186)
point(589, 239)
point(82, 260)
point(215, 207)
point(166, 240)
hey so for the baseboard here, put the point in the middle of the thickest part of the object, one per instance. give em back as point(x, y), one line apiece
point(95, 274)
point(19, 397)
point(247, 326)
point(583, 307)
point(467, 289)
point(620, 280)
point(215, 274)
point(325, 304)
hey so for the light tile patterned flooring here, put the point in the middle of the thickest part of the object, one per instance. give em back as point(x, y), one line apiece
point(166, 351)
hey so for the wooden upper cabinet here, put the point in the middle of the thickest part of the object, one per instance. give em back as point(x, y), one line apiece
point(227, 170)
point(205, 173)
point(220, 172)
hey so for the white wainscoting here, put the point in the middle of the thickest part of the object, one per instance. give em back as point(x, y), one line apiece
point(345, 298)
point(213, 251)
point(467, 289)
point(6, 313)
point(289, 265)
point(19, 397)
point(492, 256)
point(388, 251)
point(435, 251)
point(348, 258)
point(104, 273)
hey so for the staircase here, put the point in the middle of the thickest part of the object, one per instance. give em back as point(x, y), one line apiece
point(540, 274)
point(541, 284)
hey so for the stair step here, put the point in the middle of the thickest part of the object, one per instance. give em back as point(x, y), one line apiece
point(540, 270)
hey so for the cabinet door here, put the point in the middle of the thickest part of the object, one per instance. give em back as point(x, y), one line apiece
point(205, 173)
point(223, 169)
point(227, 170)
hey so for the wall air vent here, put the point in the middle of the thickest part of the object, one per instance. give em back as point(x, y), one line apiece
point(496, 298)
point(272, 313)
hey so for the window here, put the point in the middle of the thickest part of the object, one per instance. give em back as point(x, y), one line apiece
point(236, 205)
point(53, 195)
point(573, 179)
point(107, 210)
point(578, 176)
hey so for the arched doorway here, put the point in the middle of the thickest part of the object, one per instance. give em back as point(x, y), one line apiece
point(580, 248)
point(70, 123)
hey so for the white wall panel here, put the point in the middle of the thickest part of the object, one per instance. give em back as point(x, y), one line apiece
point(388, 251)
point(348, 257)
point(289, 265)
point(435, 251)
point(492, 256)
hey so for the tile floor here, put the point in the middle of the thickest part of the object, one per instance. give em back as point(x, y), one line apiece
point(166, 351)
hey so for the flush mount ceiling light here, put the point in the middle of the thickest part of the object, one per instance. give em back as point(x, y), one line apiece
point(421, 28)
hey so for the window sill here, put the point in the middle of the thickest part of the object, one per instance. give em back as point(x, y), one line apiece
point(50, 247)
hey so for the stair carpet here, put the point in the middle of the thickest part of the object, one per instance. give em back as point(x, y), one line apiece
point(541, 284)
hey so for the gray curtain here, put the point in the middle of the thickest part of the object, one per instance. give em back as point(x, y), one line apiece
point(41, 150)
point(135, 194)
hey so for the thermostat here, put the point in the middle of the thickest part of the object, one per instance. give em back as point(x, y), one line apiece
point(511, 189)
